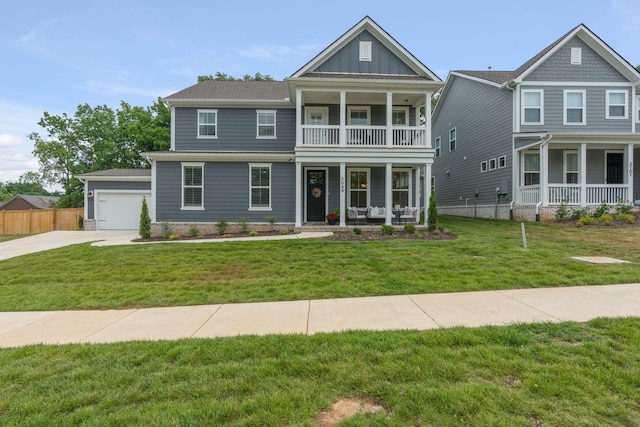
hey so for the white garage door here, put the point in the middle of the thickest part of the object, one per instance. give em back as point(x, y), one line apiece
point(120, 211)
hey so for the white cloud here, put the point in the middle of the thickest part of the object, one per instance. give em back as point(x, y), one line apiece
point(116, 89)
point(276, 53)
point(7, 140)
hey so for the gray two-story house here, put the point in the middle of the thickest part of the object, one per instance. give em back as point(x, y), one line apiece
point(562, 128)
point(347, 130)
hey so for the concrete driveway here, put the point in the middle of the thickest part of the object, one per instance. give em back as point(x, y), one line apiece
point(59, 239)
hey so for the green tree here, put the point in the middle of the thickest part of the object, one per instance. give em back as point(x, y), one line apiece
point(257, 77)
point(432, 212)
point(145, 220)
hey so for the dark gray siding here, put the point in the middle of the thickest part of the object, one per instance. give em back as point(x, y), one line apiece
point(226, 193)
point(481, 115)
point(596, 105)
point(113, 185)
point(236, 131)
point(559, 68)
point(556, 164)
point(347, 59)
point(636, 176)
point(595, 167)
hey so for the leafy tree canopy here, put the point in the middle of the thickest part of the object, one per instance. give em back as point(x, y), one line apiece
point(97, 138)
point(28, 183)
point(257, 77)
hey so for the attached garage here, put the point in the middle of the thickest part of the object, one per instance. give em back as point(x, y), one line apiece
point(119, 210)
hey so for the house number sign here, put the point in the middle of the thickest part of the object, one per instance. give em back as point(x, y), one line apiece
point(342, 184)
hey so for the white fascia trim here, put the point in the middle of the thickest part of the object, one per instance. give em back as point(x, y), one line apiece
point(578, 84)
point(223, 156)
point(216, 103)
point(103, 178)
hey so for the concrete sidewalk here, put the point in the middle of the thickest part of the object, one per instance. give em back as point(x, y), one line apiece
point(416, 312)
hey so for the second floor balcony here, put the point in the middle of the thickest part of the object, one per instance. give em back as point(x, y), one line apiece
point(363, 136)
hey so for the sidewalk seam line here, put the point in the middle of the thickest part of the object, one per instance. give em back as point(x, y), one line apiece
point(501, 291)
point(206, 321)
point(423, 310)
point(107, 326)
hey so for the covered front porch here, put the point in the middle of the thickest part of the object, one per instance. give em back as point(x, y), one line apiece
point(574, 169)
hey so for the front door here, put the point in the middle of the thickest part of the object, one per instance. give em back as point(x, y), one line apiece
point(615, 168)
point(316, 197)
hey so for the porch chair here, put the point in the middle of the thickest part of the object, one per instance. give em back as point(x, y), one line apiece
point(354, 216)
point(409, 215)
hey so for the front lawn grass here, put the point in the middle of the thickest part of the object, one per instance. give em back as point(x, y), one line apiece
point(487, 255)
point(566, 374)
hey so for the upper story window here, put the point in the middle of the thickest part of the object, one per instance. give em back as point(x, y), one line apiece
point(574, 107)
point(400, 116)
point(358, 115)
point(532, 107)
point(437, 146)
point(192, 185)
point(207, 123)
point(365, 51)
point(502, 162)
point(260, 187)
point(576, 55)
point(266, 124)
point(452, 139)
point(616, 104)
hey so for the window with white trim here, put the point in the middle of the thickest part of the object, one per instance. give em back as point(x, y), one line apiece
point(437, 146)
point(502, 162)
point(531, 168)
point(617, 104)
point(365, 51)
point(492, 164)
point(266, 124)
point(358, 115)
point(207, 123)
point(259, 186)
point(574, 107)
point(358, 188)
point(400, 116)
point(570, 167)
point(452, 139)
point(192, 186)
point(483, 167)
point(401, 186)
point(532, 107)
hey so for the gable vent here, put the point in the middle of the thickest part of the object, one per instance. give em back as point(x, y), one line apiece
point(365, 51)
point(576, 55)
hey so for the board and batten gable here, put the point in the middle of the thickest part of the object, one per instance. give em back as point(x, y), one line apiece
point(236, 130)
point(482, 116)
point(226, 193)
point(347, 59)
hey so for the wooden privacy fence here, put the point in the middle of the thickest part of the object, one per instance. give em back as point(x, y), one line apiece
point(39, 220)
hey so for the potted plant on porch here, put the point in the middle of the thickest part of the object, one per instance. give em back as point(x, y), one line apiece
point(333, 217)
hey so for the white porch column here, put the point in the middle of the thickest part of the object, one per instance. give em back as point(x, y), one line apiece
point(629, 156)
point(544, 174)
point(427, 192)
point(416, 187)
point(343, 119)
point(299, 194)
point(389, 135)
point(516, 158)
point(427, 120)
point(582, 173)
point(299, 120)
point(388, 203)
point(343, 194)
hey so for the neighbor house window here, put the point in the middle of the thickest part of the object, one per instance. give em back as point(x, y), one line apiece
point(452, 139)
point(492, 164)
point(207, 123)
point(616, 104)
point(437, 146)
point(358, 188)
point(502, 162)
point(266, 124)
point(570, 167)
point(532, 107)
point(574, 107)
point(260, 186)
point(483, 167)
point(531, 169)
point(358, 115)
point(401, 186)
point(192, 185)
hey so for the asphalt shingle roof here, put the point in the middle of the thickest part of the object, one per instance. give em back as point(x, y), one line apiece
point(234, 90)
point(119, 172)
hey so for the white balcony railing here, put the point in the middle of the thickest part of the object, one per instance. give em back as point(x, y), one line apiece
point(363, 136)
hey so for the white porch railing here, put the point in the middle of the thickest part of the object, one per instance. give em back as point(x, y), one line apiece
point(571, 194)
point(609, 194)
point(363, 136)
point(558, 193)
point(530, 195)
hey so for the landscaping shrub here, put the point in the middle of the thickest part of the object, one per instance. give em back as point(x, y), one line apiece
point(432, 212)
point(562, 212)
point(253, 233)
point(244, 224)
point(222, 226)
point(387, 230)
point(603, 209)
point(579, 213)
point(625, 218)
point(623, 207)
point(605, 219)
point(193, 231)
point(165, 226)
point(410, 228)
point(585, 220)
point(145, 220)
point(357, 230)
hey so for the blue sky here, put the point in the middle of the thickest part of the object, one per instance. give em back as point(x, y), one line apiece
point(58, 55)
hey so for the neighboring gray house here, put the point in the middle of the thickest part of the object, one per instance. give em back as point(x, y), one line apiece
point(27, 201)
point(562, 127)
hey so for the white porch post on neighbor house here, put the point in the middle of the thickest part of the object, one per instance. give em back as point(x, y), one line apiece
point(628, 154)
point(389, 135)
point(515, 175)
point(343, 194)
point(299, 119)
point(582, 173)
point(427, 120)
point(544, 174)
point(298, 194)
point(388, 203)
point(342, 135)
point(416, 187)
point(427, 192)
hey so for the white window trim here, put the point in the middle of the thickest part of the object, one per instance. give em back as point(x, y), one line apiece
point(493, 164)
point(502, 162)
point(405, 110)
point(522, 115)
point(524, 170)
point(368, 171)
point(409, 190)
point(251, 187)
point(576, 55)
point(484, 167)
point(637, 109)
point(258, 112)
point(454, 140)
point(365, 51)
point(438, 146)
point(584, 107)
point(626, 105)
point(358, 108)
point(182, 187)
point(209, 124)
point(564, 166)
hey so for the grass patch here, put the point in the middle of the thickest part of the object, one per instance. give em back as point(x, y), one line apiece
point(521, 375)
point(6, 238)
point(487, 255)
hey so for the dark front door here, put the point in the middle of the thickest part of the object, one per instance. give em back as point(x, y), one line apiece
point(316, 195)
point(615, 168)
